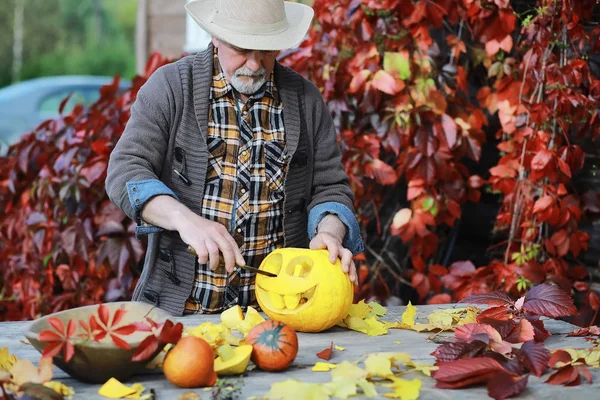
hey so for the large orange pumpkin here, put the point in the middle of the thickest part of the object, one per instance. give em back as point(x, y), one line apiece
point(310, 294)
point(274, 345)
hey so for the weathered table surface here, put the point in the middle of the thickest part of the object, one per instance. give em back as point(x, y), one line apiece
point(356, 344)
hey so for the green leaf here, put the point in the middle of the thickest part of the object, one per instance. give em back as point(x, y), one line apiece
point(397, 64)
point(428, 203)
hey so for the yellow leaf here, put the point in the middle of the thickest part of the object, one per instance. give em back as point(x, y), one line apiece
point(405, 389)
point(424, 368)
point(440, 318)
point(7, 360)
point(339, 348)
point(379, 365)
point(341, 388)
point(113, 389)
point(323, 366)
point(60, 388)
point(408, 316)
point(367, 387)
point(402, 357)
point(349, 370)
point(471, 317)
point(359, 310)
point(292, 389)
point(375, 327)
point(356, 323)
point(398, 342)
point(139, 389)
point(377, 309)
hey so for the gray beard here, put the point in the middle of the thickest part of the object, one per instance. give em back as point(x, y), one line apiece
point(252, 86)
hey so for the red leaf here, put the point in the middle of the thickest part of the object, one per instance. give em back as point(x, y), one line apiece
point(586, 372)
point(145, 349)
point(542, 204)
point(541, 159)
point(535, 357)
point(461, 373)
point(454, 351)
point(563, 376)
point(442, 298)
point(386, 83)
point(383, 173)
point(470, 332)
point(49, 336)
point(495, 315)
point(522, 332)
point(103, 314)
point(57, 324)
point(120, 342)
point(491, 299)
point(559, 356)
point(504, 385)
point(170, 333)
point(549, 301)
point(541, 334)
point(63, 103)
point(450, 130)
point(325, 354)
point(589, 331)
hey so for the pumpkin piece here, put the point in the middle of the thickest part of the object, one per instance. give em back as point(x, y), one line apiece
point(274, 345)
point(252, 319)
point(232, 360)
point(291, 301)
point(277, 300)
point(316, 293)
point(232, 317)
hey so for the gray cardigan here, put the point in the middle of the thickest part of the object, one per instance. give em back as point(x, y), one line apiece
point(171, 110)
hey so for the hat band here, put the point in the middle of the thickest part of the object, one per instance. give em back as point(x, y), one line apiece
point(249, 28)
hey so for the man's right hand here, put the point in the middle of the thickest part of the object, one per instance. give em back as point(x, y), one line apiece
point(206, 237)
point(209, 239)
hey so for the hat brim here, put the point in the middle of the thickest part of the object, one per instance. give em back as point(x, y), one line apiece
point(299, 17)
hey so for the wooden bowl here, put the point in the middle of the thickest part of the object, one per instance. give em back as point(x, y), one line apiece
point(97, 361)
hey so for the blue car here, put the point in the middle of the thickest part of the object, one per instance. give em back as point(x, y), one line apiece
point(25, 105)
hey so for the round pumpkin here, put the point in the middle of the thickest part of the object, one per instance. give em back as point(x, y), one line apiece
point(274, 345)
point(310, 294)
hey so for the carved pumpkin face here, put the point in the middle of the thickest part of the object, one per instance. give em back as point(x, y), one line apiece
point(310, 294)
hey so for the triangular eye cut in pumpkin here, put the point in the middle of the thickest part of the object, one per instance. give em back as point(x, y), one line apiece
point(309, 293)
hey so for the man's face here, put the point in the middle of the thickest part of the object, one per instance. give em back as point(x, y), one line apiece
point(245, 70)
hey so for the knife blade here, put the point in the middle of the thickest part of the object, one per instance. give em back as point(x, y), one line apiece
point(246, 267)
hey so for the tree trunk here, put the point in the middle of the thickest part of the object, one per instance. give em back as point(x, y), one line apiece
point(18, 41)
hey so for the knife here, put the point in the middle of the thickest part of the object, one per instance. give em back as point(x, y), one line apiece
point(246, 267)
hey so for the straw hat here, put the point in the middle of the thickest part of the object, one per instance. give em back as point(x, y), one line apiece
point(253, 24)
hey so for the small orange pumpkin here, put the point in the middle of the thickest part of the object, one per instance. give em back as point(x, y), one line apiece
point(274, 345)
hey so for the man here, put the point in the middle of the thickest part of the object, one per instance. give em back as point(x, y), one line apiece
point(227, 156)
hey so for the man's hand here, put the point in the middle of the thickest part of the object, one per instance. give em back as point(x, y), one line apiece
point(206, 237)
point(331, 232)
point(209, 239)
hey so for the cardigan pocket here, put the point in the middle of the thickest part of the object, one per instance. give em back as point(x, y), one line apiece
point(217, 147)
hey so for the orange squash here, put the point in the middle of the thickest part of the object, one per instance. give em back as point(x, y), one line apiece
point(274, 345)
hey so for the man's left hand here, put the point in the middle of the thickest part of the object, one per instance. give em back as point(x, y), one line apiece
point(331, 242)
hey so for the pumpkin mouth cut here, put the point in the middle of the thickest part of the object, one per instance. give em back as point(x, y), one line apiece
point(293, 289)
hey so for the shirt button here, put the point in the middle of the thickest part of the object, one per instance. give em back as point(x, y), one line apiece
point(243, 190)
point(134, 189)
point(244, 153)
point(239, 230)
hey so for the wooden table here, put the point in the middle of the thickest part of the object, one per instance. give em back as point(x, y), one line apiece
point(356, 344)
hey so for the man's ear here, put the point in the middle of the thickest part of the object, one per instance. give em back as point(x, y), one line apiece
point(215, 42)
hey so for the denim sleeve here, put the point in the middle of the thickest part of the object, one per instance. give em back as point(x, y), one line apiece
point(140, 193)
point(352, 240)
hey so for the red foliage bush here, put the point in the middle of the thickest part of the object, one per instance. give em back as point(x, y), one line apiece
point(62, 242)
point(398, 76)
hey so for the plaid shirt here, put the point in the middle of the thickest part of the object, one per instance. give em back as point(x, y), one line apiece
point(244, 188)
